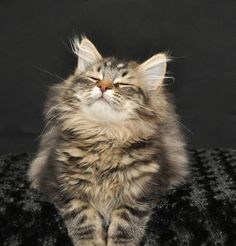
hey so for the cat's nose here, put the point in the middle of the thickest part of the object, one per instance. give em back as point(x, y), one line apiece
point(105, 85)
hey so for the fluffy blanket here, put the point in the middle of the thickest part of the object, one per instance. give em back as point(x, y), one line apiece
point(200, 212)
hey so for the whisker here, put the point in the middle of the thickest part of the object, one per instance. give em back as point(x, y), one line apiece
point(185, 127)
point(61, 87)
point(58, 105)
point(47, 72)
point(47, 124)
point(148, 109)
point(88, 97)
point(68, 48)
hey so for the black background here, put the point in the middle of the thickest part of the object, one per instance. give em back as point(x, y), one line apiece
point(34, 36)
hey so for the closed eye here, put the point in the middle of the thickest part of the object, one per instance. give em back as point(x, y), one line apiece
point(93, 78)
point(123, 84)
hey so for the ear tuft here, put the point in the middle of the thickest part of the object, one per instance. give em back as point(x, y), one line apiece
point(86, 52)
point(152, 71)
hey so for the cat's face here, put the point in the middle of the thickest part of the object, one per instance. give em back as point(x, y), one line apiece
point(111, 90)
point(108, 91)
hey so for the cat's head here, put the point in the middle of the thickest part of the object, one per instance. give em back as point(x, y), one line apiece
point(113, 90)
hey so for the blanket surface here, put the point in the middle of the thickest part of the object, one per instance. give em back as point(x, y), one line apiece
point(200, 212)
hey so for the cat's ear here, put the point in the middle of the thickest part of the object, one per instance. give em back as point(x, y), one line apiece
point(152, 72)
point(86, 52)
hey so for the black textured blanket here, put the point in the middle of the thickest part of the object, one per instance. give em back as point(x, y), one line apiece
point(201, 212)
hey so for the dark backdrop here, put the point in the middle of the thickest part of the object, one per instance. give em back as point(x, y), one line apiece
point(199, 34)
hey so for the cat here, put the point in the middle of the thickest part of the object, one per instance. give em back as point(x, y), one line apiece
point(112, 144)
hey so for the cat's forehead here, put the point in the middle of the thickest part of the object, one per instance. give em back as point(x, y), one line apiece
point(114, 64)
point(111, 68)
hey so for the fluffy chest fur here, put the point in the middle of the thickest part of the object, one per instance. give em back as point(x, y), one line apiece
point(105, 173)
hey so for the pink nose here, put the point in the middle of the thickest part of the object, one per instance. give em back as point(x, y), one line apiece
point(105, 85)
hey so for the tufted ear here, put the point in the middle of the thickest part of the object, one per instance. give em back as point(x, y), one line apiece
point(152, 72)
point(86, 52)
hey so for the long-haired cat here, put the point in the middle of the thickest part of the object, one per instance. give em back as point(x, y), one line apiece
point(112, 145)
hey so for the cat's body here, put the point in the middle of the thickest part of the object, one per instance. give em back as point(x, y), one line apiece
point(110, 148)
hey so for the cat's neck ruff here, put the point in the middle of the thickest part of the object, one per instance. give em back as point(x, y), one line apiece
point(130, 130)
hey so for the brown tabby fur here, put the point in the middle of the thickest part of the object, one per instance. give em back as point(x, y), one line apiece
point(105, 177)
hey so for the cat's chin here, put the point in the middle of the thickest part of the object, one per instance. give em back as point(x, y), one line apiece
point(102, 101)
point(103, 111)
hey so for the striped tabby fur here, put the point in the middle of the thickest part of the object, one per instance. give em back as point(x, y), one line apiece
point(111, 146)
